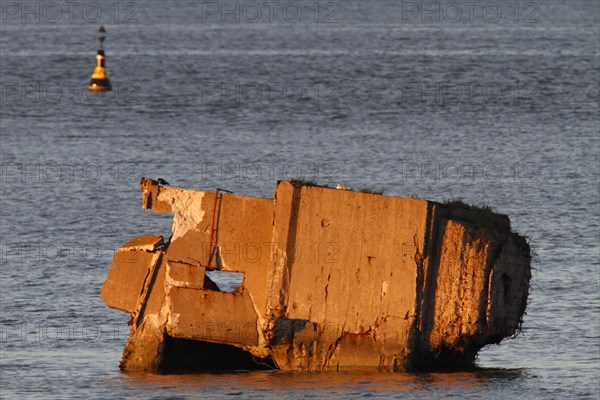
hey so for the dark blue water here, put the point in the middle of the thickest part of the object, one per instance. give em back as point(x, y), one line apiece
point(495, 103)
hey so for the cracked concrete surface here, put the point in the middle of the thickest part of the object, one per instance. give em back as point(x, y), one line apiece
point(333, 280)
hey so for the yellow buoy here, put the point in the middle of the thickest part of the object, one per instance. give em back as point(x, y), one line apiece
point(100, 82)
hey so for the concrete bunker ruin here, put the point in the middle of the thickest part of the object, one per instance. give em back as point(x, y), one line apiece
point(333, 280)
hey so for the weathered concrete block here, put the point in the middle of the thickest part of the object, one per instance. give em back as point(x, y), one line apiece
point(126, 277)
point(353, 269)
point(212, 316)
point(333, 280)
point(185, 275)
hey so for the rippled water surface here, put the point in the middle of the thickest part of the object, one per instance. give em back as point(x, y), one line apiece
point(496, 106)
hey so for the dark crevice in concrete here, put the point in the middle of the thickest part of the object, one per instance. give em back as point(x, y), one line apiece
point(183, 355)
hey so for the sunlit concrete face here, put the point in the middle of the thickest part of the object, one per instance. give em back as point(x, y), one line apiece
point(332, 280)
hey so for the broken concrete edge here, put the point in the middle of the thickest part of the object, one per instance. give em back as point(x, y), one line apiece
point(148, 243)
point(291, 343)
point(162, 199)
point(502, 246)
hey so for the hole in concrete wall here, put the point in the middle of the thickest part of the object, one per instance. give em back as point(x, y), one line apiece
point(183, 355)
point(506, 282)
point(226, 281)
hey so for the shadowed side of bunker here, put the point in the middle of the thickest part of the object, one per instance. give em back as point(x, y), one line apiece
point(332, 280)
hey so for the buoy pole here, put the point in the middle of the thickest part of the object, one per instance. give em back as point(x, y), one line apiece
point(100, 82)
